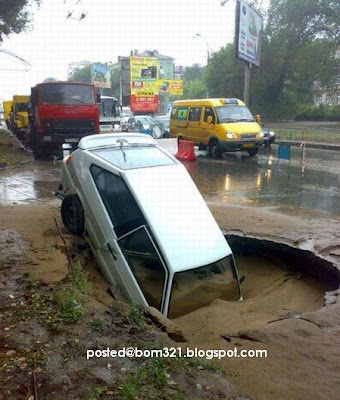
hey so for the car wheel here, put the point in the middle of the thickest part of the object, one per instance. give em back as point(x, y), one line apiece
point(72, 214)
point(253, 152)
point(214, 149)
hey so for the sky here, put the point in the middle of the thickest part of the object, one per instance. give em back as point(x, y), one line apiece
point(112, 28)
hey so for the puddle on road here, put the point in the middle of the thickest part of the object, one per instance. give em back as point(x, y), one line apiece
point(35, 182)
point(283, 282)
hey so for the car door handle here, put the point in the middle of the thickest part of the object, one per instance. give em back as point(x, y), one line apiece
point(109, 247)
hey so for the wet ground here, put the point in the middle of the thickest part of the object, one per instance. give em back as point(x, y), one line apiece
point(238, 178)
point(267, 180)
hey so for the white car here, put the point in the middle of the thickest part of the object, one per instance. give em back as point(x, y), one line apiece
point(147, 224)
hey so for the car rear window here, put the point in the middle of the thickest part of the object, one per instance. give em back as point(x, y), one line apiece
point(134, 157)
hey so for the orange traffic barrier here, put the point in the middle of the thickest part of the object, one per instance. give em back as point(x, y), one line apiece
point(186, 151)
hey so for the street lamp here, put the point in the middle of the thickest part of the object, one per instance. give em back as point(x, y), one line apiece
point(198, 35)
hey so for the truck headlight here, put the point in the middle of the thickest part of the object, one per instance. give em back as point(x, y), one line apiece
point(231, 135)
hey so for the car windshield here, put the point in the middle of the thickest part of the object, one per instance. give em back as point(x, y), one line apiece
point(145, 120)
point(127, 113)
point(22, 107)
point(109, 108)
point(234, 113)
point(131, 157)
point(200, 286)
point(67, 94)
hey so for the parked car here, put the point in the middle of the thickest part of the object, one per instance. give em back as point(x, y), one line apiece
point(165, 120)
point(174, 257)
point(145, 124)
point(125, 114)
point(268, 137)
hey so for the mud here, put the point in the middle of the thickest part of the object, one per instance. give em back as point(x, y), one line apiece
point(292, 310)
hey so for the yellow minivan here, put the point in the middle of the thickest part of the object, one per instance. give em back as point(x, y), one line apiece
point(218, 125)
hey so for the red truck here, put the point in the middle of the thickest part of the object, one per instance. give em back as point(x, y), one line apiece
point(61, 112)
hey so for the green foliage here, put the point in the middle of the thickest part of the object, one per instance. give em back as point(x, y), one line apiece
point(96, 393)
point(135, 316)
point(318, 113)
point(81, 75)
point(193, 73)
point(194, 90)
point(98, 324)
point(148, 382)
point(15, 16)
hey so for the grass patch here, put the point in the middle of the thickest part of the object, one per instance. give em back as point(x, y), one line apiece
point(98, 324)
point(61, 307)
point(135, 316)
point(154, 378)
point(308, 136)
point(11, 156)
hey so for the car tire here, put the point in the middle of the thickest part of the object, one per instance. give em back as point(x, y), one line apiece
point(72, 214)
point(214, 149)
point(253, 152)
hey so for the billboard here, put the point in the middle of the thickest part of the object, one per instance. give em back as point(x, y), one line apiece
point(101, 75)
point(144, 84)
point(174, 87)
point(248, 34)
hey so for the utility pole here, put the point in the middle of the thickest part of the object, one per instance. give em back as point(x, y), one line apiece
point(246, 83)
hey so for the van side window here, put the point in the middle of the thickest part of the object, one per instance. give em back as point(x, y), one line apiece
point(173, 113)
point(209, 112)
point(119, 202)
point(195, 113)
point(182, 113)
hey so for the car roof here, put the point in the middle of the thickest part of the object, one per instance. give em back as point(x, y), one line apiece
point(113, 139)
point(178, 216)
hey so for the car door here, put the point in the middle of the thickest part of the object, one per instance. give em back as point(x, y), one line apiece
point(206, 128)
point(128, 251)
point(194, 124)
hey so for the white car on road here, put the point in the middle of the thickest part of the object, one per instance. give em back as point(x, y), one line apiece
point(147, 224)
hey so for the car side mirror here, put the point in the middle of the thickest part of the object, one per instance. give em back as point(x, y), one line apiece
point(258, 118)
point(98, 97)
point(209, 119)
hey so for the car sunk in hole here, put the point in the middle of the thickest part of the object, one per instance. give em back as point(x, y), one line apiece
point(146, 223)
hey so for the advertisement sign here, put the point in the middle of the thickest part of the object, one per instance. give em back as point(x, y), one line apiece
point(174, 87)
point(248, 35)
point(101, 75)
point(144, 84)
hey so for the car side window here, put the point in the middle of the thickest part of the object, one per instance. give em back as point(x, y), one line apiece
point(173, 113)
point(145, 264)
point(209, 112)
point(195, 114)
point(118, 200)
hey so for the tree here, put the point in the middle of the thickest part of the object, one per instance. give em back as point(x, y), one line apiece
point(224, 75)
point(81, 75)
point(15, 16)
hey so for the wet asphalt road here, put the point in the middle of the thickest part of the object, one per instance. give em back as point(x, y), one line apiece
point(237, 178)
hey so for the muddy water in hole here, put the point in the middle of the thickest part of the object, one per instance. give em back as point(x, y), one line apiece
point(270, 291)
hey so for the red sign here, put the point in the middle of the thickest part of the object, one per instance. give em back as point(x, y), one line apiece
point(139, 104)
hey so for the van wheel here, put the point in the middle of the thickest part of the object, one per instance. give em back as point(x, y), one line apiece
point(214, 149)
point(72, 214)
point(253, 152)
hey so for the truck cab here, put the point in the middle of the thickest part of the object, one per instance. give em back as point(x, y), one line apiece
point(109, 114)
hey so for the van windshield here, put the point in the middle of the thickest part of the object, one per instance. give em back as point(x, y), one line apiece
point(233, 113)
point(198, 287)
point(109, 108)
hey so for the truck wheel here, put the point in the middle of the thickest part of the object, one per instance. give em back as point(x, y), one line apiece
point(72, 214)
point(37, 152)
point(253, 152)
point(214, 149)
